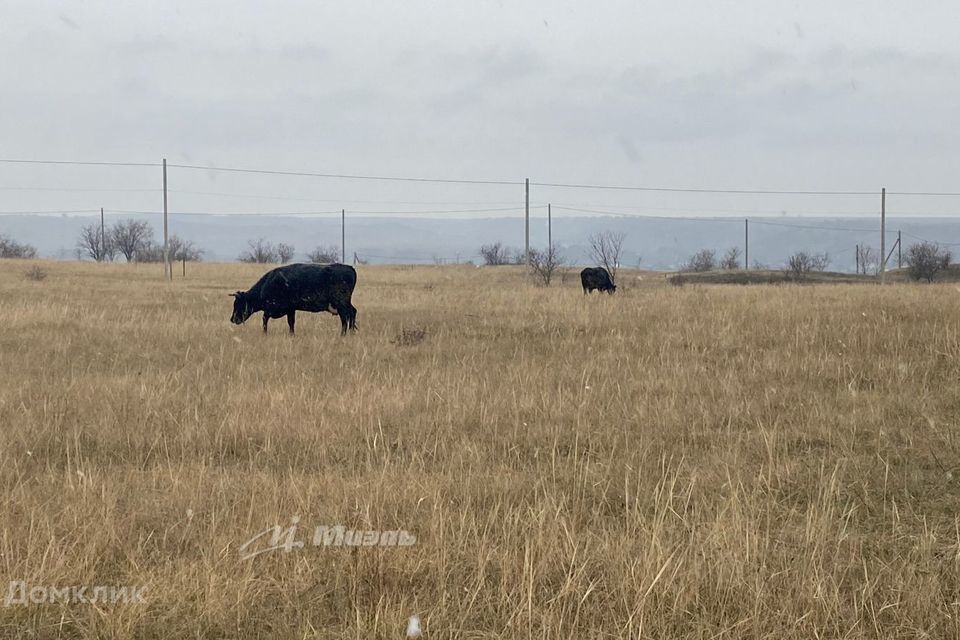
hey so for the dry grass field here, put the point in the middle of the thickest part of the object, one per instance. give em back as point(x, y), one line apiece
point(773, 461)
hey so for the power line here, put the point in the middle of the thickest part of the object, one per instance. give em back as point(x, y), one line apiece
point(27, 213)
point(312, 213)
point(681, 190)
point(559, 185)
point(345, 176)
point(653, 217)
point(81, 163)
point(80, 189)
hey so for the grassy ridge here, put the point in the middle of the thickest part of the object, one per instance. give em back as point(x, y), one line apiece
point(763, 462)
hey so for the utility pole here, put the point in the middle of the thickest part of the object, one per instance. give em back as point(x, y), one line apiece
point(746, 244)
point(899, 251)
point(550, 231)
point(883, 234)
point(167, 268)
point(343, 236)
point(527, 219)
point(103, 236)
point(856, 250)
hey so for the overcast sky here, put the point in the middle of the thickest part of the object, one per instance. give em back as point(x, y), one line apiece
point(747, 94)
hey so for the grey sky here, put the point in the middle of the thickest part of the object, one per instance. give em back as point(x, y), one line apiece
point(747, 94)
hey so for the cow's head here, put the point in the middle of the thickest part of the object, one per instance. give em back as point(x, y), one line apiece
point(241, 307)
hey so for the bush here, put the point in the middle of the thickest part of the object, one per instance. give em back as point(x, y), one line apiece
point(324, 255)
point(731, 259)
point(703, 260)
point(10, 248)
point(543, 264)
point(800, 264)
point(495, 254)
point(180, 251)
point(926, 259)
point(36, 273)
point(259, 252)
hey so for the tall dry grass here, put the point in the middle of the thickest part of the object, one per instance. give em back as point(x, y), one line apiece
point(696, 462)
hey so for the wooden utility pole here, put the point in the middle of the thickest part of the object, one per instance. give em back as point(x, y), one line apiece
point(343, 236)
point(856, 250)
point(746, 244)
point(103, 237)
point(527, 219)
point(550, 230)
point(883, 234)
point(167, 268)
point(899, 251)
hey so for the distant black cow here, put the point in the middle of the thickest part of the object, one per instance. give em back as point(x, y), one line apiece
point(596, 278)
point(300, 287)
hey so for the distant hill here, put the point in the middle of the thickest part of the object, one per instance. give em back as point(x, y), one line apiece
point(654, 243)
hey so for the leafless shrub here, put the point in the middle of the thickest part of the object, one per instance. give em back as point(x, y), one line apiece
point(802, 263)
point(495, 254)
point(701, 261)
point(926, 259)
point(259, 251)
point(731, 259)
point(35, 273)
point(10, 248)
point(606, 249)
point(543, 264)
point(180, 251)
point(324, 255)
point(285, 252)
point(410, 337)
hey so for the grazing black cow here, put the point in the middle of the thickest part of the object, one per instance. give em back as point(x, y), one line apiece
point(596, 278)
point(300, 287)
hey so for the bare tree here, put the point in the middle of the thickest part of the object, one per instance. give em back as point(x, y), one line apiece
point(130, 236)
point(180, 251)
point(867, 259)
point(183, 250)
point(495, 254)
point(800, 264)
point(93, 244)
point(285, 252)
point(731, 259)
point(926, 259)
point(543, 264)
point(324, 255)
point(606, 249)
point(10, 248)
point(703, 260)
point(259, 251)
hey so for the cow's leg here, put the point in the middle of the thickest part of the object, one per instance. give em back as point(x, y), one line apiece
point(353, 318)
point(291, 320)
point(344, 312)
point(266, 319)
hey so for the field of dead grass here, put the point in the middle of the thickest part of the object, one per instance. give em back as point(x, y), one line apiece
point(695, 462)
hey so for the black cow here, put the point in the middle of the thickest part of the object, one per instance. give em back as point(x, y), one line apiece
point(300, 287)
point(596, 278)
